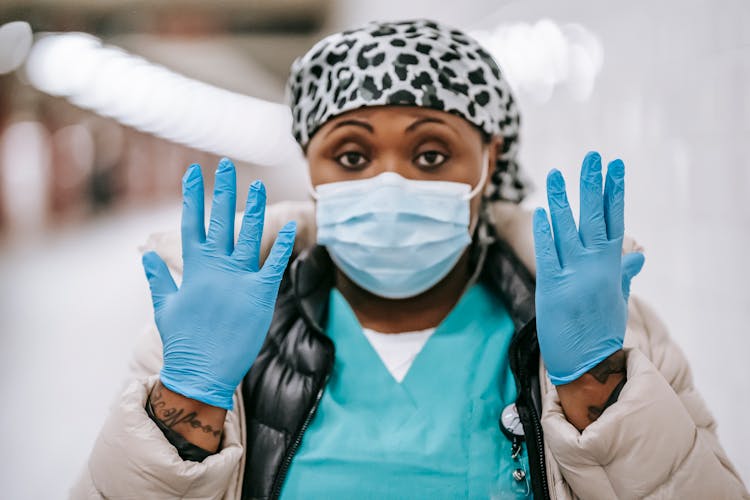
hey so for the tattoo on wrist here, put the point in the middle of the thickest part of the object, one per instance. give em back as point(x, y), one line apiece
point(170, 417)
point(615, 363)
point(594, 412)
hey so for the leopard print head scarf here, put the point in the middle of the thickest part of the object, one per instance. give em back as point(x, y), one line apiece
point(415, 63)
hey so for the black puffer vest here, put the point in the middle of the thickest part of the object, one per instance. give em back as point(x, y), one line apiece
point(282, 389)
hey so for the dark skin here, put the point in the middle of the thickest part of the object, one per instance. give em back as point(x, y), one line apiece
point(421, 144)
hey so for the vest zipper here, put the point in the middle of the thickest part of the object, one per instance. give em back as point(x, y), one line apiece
point(540, 450)
point(281, 474)
point(526, 401)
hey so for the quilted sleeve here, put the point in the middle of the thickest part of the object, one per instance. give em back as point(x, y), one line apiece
point(131, 457)
point(657, 441)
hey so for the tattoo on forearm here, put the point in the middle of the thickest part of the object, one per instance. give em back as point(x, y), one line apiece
point(173, 416)
point(613, 364)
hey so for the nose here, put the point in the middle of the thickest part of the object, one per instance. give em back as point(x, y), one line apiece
point(396, 162)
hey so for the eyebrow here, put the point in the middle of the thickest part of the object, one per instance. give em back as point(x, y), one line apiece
point(357, 123)
point(422, 121)
point(368, 127)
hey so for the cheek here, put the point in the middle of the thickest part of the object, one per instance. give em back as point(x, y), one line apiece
point(314, 172)
point(318, 166)
point(320, 171)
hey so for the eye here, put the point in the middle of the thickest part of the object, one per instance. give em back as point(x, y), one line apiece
point(351, 159)
point(431, 159)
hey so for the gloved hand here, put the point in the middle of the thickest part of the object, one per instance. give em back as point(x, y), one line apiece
point(582, 278)
point(213, 326)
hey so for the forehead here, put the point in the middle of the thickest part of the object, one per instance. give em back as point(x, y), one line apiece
point(389, 115)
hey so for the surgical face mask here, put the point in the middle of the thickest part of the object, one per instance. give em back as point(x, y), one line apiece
point(392, 236)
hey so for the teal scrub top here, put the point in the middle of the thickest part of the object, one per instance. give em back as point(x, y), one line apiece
point(435, 434)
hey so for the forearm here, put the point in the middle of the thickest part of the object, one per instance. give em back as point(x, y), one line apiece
point(586, 398)
point(199, 423)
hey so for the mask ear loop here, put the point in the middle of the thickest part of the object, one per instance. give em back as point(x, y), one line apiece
point(485, 172)
point(311, 189)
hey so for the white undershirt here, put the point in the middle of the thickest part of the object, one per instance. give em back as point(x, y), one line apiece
point(398, 350)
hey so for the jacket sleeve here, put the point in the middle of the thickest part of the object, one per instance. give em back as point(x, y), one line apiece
point(657, 441)
point(132, 458)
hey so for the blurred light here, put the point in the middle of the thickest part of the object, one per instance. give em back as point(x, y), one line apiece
point(109, 141)
point(154, 99)
point(75, 145)
point(541, 57)
point(15, 42)
point(25, 160)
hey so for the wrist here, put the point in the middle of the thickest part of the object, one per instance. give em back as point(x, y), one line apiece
point(563, 371)
point(183, 419)
point(201, 389)
point(585, 399)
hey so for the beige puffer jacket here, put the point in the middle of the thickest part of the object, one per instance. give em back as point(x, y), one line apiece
point(657, 441)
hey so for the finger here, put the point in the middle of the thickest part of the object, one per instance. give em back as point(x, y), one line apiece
point(614, 199)
point(567, 241)
point(278, 259)
point(632, 263)
point(159, 278)
point(221, 227)
point(591, 218)
point(547, 261)
point(193, 232)
point(247, 249)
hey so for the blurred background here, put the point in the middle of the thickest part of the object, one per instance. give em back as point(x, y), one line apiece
point(104, 103)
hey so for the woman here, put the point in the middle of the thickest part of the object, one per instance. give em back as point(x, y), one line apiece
point(399, 354)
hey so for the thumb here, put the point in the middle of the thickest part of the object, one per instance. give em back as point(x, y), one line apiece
point(632, 263)
point(278, 258)
point(159, 278)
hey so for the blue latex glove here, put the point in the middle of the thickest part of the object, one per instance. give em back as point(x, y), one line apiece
point(213, 326)
point(582, 278)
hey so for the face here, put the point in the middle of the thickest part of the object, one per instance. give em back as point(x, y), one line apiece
point(415, 142)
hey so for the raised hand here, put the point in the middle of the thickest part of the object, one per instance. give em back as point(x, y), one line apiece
point(582, 278)
point(213, 326)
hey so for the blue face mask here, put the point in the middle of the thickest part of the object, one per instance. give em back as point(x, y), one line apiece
point(393, 236)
